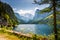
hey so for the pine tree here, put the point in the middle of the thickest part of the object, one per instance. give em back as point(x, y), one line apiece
point(53, 5)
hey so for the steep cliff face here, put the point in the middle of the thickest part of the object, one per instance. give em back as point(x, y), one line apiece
point(7, 16)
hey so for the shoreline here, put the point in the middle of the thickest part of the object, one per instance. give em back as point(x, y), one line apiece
point(18, 33)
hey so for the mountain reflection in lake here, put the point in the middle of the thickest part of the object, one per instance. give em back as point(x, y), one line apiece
point(34, 28)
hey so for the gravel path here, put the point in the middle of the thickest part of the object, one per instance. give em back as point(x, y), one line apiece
point(3, 37)
point(7, 37)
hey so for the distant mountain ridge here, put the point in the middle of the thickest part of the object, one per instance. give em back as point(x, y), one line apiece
point(25, 18)
point(37, 17)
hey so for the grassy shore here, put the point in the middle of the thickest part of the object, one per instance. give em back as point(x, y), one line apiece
point(7, 36)
point(11, 36)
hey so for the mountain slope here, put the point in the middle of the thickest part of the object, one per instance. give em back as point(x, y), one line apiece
point(7, 16)
point(26, 18)
point(40, 17)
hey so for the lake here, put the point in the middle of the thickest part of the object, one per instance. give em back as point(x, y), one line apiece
point(39, 29)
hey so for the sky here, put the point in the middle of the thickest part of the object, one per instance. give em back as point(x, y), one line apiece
point(24, 6)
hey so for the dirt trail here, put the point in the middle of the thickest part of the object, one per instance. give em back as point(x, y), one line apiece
point(2, 37)
point(7, 37)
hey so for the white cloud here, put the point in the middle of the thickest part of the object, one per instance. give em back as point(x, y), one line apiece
point(31, 11)
point(23, 12)
point(43, 6)
point(14, 9)
point(35, 8)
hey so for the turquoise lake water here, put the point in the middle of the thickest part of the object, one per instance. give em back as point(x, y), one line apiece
point(40, 29)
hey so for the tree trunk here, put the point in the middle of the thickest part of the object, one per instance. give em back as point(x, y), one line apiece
point(55, 25)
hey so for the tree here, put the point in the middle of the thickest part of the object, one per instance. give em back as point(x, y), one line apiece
point(53, 5)
point(6, 16)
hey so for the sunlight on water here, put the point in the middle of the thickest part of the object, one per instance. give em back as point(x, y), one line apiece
point(34, 28)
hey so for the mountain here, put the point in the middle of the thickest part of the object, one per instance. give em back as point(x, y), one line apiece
point(50, 19)
point(7, 16)
point(28, 18)
point(24, 19)
point(39, 16)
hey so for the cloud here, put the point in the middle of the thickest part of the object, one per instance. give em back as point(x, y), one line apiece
point(22, 12)
point(35, 8)
point(43, 6)
point(30, 11)
point(14, 9)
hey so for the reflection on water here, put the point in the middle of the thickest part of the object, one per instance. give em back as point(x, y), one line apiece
point(34, 28)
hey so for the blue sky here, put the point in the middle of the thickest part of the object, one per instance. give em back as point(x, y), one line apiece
point(21, 4)
point(24, 6)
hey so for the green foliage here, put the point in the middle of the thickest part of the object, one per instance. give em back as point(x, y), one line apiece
point(53, 4)
point(34, 36)
point(46, 10)
point(7, 14)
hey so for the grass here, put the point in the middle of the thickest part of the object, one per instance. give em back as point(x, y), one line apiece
point(7, 36)
point(11, 36)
